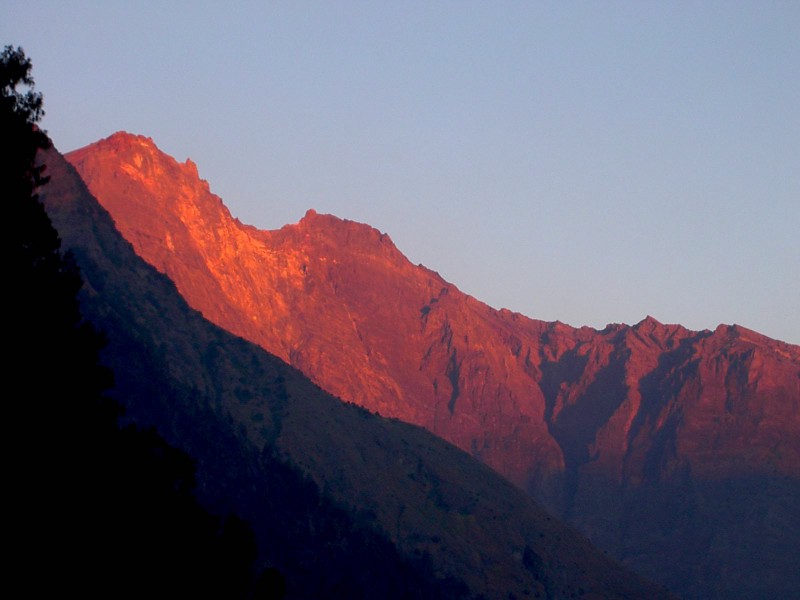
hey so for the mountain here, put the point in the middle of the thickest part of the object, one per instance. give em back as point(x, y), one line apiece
point(259, 431)
point(677, 451)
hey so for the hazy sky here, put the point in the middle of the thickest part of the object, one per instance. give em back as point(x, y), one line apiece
point(588, 162)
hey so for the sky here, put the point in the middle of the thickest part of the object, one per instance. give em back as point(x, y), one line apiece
point(587, 162)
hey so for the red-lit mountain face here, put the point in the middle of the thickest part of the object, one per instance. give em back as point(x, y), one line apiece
point(339, 499)
point(654, 439)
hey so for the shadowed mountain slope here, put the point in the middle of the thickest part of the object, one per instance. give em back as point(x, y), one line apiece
point(676, 450)
point(240, 411)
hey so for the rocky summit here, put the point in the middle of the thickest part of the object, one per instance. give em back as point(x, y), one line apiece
point(677, 451)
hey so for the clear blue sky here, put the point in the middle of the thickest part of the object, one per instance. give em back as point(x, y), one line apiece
point(588, 162)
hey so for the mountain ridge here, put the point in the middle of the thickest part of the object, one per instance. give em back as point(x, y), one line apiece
point(232, 405)
point(591, 422)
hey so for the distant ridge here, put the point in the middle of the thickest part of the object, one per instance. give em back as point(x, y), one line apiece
point(676, 450)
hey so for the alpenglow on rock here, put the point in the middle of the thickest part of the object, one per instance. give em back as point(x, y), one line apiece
point(675, 450)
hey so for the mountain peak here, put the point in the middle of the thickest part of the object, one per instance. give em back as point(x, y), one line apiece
point(649, 322)
point(351, 233)
point(138, 157)
point(121, 141)
point(123, 136)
